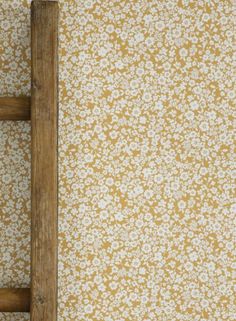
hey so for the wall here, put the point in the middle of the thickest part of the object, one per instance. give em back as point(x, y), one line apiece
point(145, 155)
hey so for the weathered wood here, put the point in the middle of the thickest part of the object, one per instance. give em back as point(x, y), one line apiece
point(14, 300)
point(44, 33)
point(12, 108)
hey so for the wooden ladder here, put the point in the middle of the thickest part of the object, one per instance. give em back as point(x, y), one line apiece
point(41, 108)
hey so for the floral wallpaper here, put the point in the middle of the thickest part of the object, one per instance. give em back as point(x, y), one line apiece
point(147, 202)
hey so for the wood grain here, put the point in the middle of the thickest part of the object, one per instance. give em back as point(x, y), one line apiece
point(14, 300)
point(44, 33)
point(12, 108)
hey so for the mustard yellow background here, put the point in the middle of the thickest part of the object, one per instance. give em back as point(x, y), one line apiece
point(146, 159)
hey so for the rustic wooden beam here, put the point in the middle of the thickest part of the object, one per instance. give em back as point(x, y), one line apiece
point(14, 108)
point(14, 300)
point(44, 123)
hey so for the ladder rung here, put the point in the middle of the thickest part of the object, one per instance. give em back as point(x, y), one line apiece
point(14, 108)
point(14, 300)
